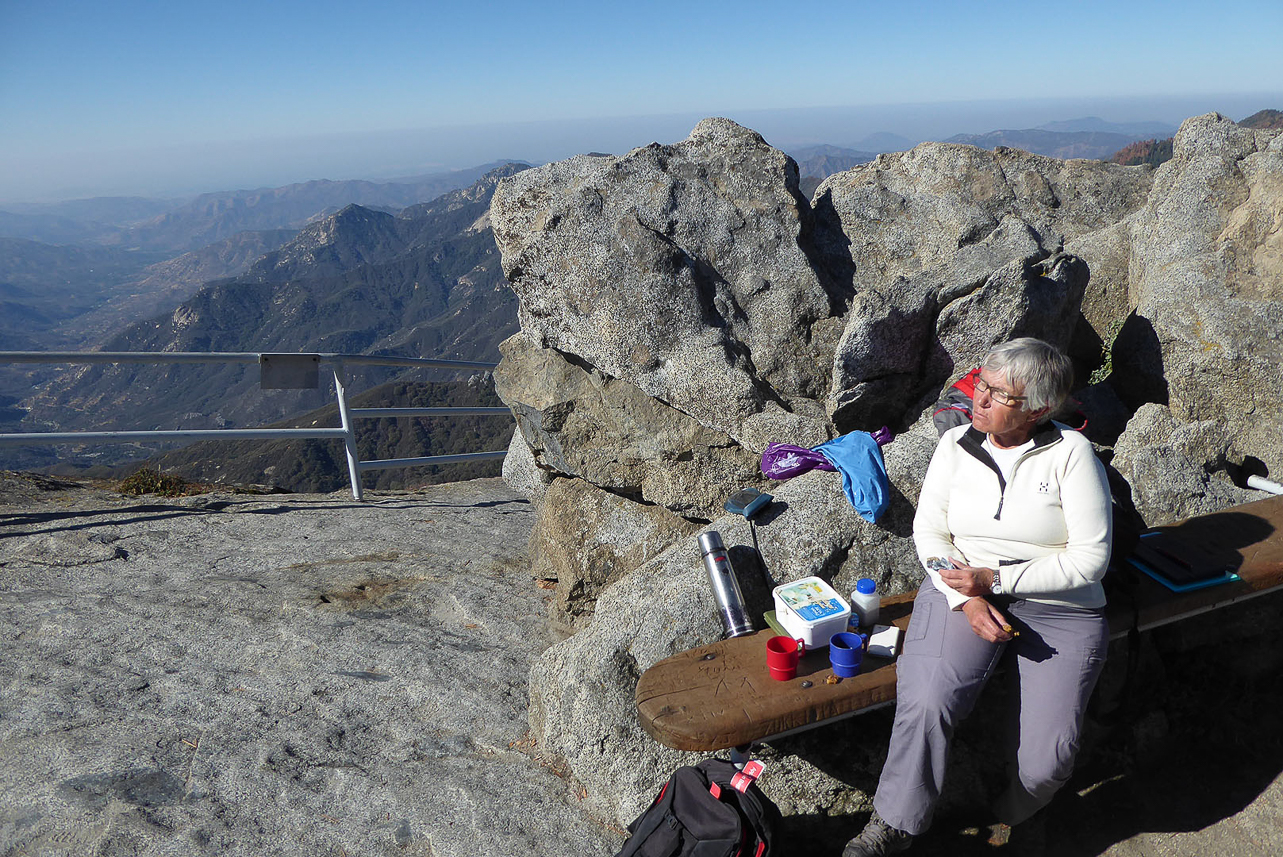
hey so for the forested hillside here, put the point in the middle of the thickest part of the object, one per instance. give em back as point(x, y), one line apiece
point(321, 465)
point(426, 283)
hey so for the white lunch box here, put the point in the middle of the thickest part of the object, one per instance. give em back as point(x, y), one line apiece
point(811, 610)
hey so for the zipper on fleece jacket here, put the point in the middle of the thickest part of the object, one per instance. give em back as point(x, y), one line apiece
point(1045, 435)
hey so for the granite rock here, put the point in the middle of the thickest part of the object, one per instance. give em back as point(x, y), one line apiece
point(522, 471)
point(1207, 284)
point(681, 269)
point(898, 351)
point(585, 538)
point(924, 230)
point(242, 675)
point(1177, 469)
point(583, 423)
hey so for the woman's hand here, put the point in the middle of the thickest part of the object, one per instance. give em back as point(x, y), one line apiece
point(967, 579)
point(987, 621)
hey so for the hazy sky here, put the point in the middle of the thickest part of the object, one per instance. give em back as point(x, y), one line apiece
point(150, 98)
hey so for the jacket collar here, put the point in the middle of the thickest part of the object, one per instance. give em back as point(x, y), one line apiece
point(1045, 434)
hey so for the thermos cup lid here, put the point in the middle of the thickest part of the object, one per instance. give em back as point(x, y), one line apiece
point(710, 541)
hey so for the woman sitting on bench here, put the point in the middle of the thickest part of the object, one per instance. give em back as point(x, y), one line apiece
point(1013, 525)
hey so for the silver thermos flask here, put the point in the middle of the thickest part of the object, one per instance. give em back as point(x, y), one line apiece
point(726, 587)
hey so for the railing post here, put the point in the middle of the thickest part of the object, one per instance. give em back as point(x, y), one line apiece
point(349, 434)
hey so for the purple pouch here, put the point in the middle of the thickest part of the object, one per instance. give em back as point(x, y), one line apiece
point(784, 461)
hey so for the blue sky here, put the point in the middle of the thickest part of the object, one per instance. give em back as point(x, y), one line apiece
point(174, 97)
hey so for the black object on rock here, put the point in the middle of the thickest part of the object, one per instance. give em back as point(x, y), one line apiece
point(710, 809)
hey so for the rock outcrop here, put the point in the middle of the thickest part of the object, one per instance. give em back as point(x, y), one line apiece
point(921, 232)
point(583, 423)
point(228, 674)
point(679, 269)
point(683, 305)
point(1207, 286)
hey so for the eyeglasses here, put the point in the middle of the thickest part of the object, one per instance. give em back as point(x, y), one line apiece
point(1000, 396)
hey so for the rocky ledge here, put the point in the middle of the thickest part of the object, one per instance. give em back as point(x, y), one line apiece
point(290, 674)
point(304, 675)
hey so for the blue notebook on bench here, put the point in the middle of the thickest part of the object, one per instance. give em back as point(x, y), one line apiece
point(1178, 567)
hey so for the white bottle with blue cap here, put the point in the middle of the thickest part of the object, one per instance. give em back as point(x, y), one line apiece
point(865, 601)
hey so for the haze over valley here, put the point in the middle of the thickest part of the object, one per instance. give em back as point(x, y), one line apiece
point(406, 268)
point(179, 178)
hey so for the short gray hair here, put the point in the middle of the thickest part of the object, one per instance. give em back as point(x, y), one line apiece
point(1040, 368)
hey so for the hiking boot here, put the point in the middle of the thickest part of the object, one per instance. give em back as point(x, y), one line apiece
point(877, 838)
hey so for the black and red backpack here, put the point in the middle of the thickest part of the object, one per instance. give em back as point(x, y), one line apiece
point(711, 809)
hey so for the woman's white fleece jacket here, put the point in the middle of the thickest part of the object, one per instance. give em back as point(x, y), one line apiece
point(1047, 532)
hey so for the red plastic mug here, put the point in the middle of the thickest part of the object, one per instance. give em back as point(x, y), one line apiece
point(782, 654)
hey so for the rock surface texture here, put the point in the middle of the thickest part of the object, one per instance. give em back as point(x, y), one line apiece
point(1207, 285)
point(303, 675)
point(679, 269)
point(683, 305)
point(237, 675)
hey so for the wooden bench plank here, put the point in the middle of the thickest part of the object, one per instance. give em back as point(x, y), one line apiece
point(721, 695)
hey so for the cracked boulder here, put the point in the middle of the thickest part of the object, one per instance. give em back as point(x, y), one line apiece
point(1207, 282)
point(900, 348)
point(580, 422)
point(927, 238)
point(683, 270)
point(585, 539)
point(913, 211)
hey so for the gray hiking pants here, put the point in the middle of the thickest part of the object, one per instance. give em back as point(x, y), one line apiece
point(1056, 661)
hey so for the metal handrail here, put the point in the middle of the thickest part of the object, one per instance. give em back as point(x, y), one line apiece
point(337, 362)
point(324, 357)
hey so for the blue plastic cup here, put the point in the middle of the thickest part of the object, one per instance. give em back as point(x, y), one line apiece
point(846, 653)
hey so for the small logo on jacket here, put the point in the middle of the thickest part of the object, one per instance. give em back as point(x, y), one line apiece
point(1044, 487)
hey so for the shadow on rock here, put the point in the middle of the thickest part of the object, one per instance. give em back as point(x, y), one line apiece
point(1202, 739)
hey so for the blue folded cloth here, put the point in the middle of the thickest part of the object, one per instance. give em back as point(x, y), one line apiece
point(858, 458)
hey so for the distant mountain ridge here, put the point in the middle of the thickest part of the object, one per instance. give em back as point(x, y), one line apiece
point(66, 283)
point(164, 285)
point(816, 163)
point(212, 217)
point(178, 226)
point(426, 283)
point(1095, 123)
point(1098, 145)
point(1264, 119)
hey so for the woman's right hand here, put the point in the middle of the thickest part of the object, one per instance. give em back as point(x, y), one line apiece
point(987, 621)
